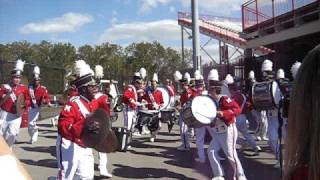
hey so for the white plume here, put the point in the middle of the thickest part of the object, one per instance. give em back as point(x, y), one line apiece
point(251, 75)
point(187, 77)
point(280, 74)
point(79, 65)
point(177, 76)
point(294, 69)
point(19, 65)
point(197, 75)
point(98, 71)
point(155, 77)
point(143, 73)
point(36, 70)
point(137, 74)
point(229, 79)
point(213, 75)
point(266, 65)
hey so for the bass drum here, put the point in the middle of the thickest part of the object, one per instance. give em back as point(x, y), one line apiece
point(200, 111)
point(266, 95)
point(150, 118)
point(166, 97)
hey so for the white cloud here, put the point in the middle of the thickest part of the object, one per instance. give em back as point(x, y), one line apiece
point(225, 7)
point(147, 5)
point(69, 22)
point(142, 31)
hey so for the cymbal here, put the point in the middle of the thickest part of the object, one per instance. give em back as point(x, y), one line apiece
point(103, 138)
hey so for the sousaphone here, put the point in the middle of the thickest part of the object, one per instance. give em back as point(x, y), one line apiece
point(97, 132)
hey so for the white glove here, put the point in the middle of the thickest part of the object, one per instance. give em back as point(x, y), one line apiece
point(7, 88)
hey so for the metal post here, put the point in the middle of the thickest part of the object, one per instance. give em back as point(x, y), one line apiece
point(195, 36)
point(182, 44)
point(257, 11)
point(220, 53)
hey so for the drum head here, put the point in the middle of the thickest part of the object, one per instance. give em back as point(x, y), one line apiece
point(276, 93)
point(166, 96)
point(204, 109)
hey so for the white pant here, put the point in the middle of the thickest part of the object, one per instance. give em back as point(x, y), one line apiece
point(10, 126)
point(33, 128)
point(273, 125)
point(184, 133)
point(242, 128)
point(74, 161)
point(200, 136)
point(263, 125)
point(227, 142)
point(129, 116)
point(103, 160)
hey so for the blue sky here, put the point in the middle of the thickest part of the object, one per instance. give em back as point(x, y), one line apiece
point(96, 21)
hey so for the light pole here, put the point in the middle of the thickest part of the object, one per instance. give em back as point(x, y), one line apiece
point(195, 36)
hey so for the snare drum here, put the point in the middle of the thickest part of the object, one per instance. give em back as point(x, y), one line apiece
point(149, 118)
point(266, 95)
point(200, 111)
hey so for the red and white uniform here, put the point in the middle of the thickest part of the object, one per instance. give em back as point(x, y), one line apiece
point(75, 160)
point(39, 95)
point(225, 137)
point(9, 120)
point(241, 122)
point(172, 93)
point(104, 103)
point(187, 95)
point(130, 98)
point(154, 99)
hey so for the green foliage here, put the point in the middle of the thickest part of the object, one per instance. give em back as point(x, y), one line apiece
point(119, 63)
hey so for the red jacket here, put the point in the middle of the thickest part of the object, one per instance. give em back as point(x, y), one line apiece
point(9, 104)
point(158, 99)
point(71, 120)
point(229, 108)
point(38, 95)
point(241, 99)
point(187, 95)
point(130, 93)
point(172, 91)
point(301, 173)
point(103, 102)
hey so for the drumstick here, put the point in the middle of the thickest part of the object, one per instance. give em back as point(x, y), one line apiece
point(203, 115)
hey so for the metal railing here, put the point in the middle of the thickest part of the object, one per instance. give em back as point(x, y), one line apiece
point(257, 11)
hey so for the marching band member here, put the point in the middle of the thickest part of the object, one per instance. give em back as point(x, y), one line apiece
point(75, 160)
point(271, 115)
point(39, 95)
point(104, 103)
point(200, 131)
point(130, 99)
point(154, 100)
point(241, 119)
point(10, 94)
point(266, 69)
point(252, 112)
point(224, 130)
point(172, 91)
point(187, 94)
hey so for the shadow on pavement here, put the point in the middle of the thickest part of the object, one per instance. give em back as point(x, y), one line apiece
point(43, 149)
point(50, 163)
point(143, 173)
